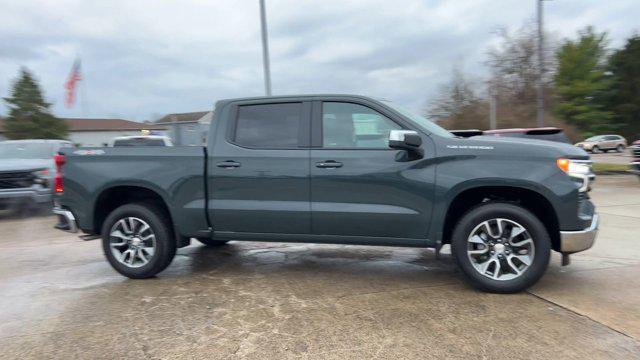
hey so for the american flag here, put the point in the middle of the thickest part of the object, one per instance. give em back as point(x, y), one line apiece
point(70, 85)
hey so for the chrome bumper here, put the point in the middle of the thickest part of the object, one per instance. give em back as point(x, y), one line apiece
point(67, 221)
point(575, 241)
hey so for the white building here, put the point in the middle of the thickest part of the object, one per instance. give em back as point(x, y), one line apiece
point(98, 132)
point(187, 129)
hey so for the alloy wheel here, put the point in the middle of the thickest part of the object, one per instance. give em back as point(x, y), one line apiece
point(132, 242)
point(500, 249)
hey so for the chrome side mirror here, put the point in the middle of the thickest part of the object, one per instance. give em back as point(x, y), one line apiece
point(408, 140)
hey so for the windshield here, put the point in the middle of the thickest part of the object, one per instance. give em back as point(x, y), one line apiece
point(22, 150)
point(594, 138)
point(424, 123)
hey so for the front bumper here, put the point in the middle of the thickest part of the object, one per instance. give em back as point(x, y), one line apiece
point(33, 195)
point(66, 220)
point(634, 167)
point(575, 241)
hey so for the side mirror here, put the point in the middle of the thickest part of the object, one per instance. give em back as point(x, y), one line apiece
point(408, 140)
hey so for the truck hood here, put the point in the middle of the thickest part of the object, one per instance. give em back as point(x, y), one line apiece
point(7, 165)
point(518, 146)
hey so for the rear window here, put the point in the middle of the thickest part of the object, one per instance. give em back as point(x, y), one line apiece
point(268, 126)
point(139, 142)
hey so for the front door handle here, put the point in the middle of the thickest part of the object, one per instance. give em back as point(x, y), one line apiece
point(329, 164)
point(228, 164)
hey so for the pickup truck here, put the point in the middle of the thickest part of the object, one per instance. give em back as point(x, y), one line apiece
point(26, 172)
point(338, 169)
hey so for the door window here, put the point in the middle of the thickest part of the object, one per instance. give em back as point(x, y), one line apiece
point(347, 125)
point(268, 126)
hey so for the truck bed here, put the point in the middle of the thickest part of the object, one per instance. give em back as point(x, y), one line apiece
point(175, 173)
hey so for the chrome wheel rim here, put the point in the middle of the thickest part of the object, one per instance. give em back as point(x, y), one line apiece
point(500, 249)
point(132, 242)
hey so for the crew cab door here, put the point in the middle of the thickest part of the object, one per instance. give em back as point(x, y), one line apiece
point(259, 169)
point(359, 186)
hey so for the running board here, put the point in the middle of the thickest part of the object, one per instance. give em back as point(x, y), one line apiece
point(89, 237)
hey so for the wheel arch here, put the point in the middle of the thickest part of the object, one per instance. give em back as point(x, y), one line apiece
point(530, 199)
point(115, 195)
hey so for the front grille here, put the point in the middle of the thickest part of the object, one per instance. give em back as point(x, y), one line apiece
point(16, 180)
point(635, 151)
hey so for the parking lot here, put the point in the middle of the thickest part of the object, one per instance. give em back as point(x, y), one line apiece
point(60, 299)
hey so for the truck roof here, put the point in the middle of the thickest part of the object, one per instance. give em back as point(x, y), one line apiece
point(305, 96)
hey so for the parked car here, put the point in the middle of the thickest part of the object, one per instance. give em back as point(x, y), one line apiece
point(336, 169)
point(603, 143)
point(143, 140)
point(26, 171)
point(634, 166)
point(544, 133)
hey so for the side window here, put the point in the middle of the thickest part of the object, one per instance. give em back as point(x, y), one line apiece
point(347, 125)
point(268, 126)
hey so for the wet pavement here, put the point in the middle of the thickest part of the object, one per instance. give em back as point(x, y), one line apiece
point(60, 299)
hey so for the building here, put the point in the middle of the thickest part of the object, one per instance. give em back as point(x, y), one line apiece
point(98, 132)
point(187, 129)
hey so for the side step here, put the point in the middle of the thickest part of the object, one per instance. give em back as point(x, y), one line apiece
point(89, 237)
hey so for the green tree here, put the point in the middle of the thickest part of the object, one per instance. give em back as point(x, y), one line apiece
point(624, 66)
point(29, 115)
point(581, 83)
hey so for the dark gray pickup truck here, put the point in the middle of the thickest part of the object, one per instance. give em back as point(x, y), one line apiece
point(336, 169)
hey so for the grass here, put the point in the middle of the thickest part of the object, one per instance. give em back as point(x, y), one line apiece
point(602, 168)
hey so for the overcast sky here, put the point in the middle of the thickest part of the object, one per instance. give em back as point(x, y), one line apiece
point(142, 59)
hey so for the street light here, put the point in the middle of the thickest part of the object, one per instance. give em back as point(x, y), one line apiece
point(265, 49)
point(540, 92)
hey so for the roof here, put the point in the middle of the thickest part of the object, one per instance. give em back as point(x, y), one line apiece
point(182, 117)
point(76, 124)
point(36, 141)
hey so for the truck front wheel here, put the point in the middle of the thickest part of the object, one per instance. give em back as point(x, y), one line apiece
point(137, 241)
point(501, 247)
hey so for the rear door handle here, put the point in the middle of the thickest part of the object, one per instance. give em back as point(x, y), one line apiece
point(329, 164)
point(228, 164)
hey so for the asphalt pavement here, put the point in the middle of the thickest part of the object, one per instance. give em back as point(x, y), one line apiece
point(60, 299)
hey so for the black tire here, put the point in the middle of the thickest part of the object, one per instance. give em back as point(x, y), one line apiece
point(620, 148)
point(595, 149)
point(512, 212)
point(211, 242)
point(165, 244)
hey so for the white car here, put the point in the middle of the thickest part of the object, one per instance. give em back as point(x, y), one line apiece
point(143, 140)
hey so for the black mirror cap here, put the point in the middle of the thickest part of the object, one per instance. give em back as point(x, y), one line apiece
point(413, 140)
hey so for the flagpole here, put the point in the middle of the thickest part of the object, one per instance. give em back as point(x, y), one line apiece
point(84, 101)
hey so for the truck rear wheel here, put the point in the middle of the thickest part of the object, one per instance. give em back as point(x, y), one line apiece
point(501, 247)
point(137, 241)
point(211, 242)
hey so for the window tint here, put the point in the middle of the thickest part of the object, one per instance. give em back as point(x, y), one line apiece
point(346, 125)
point(271, 126)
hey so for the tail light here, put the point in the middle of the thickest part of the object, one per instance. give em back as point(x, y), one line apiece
point(57, 180)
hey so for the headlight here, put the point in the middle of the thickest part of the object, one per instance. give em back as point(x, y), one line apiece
point(579, 170)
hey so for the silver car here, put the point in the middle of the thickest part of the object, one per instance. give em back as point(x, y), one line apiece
point(603, 143)
point(27, 170)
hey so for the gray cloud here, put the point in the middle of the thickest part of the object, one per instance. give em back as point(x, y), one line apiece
point(149, 57)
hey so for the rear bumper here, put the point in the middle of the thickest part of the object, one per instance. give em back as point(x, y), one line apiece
point(575, 241)
point(66, 220)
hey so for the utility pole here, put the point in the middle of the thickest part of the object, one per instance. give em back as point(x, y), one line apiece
point(492, 107)
point(540, 107)
point(265, 49)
